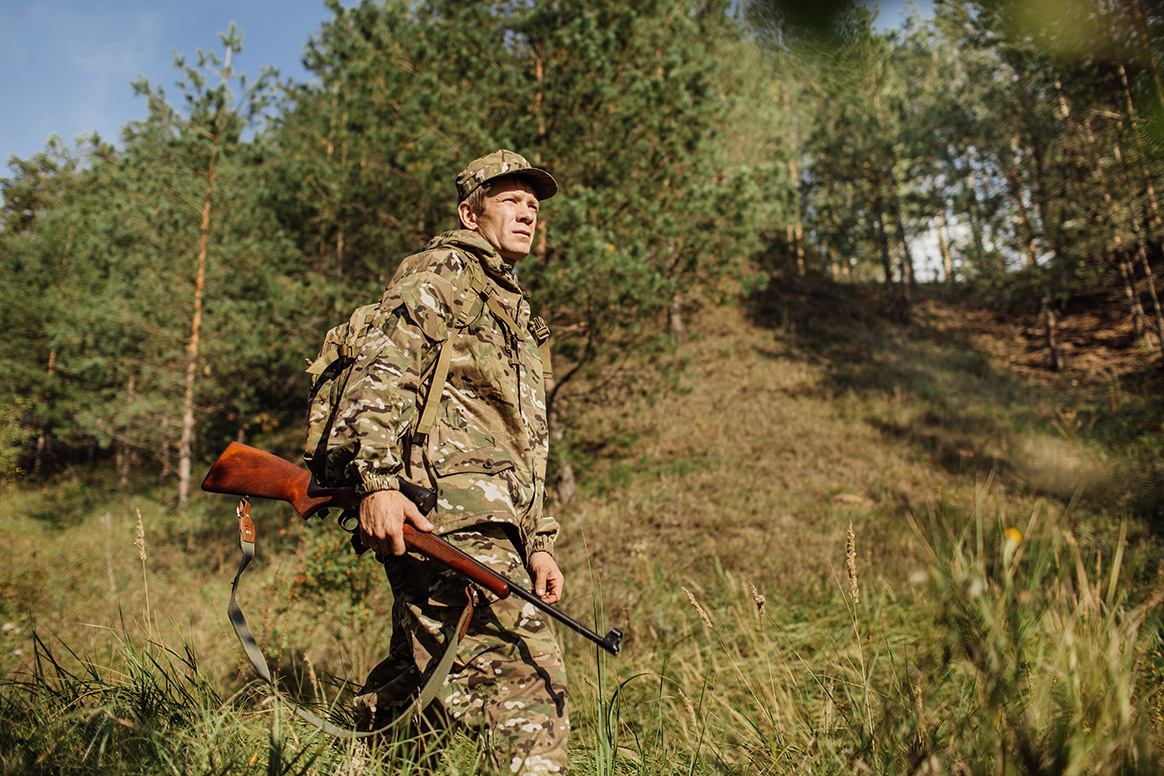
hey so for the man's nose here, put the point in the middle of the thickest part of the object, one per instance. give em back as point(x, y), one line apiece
point(527, 215)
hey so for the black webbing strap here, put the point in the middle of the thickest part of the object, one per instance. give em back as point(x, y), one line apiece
point(432, 683)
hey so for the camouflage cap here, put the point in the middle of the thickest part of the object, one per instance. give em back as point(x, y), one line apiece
point(500, 163)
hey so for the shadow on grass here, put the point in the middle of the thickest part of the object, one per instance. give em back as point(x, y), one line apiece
point(929, 384)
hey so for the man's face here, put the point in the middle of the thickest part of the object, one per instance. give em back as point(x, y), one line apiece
point(507, 220)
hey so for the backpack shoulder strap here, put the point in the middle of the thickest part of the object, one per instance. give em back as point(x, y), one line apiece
point(436, 387)
point(480, 284)
point(343, 341)
point(541, 334)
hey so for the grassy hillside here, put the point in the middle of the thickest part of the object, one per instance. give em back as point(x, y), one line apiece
point(835, 546)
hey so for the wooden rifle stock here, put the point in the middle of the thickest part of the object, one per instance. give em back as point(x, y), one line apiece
point(243, 470)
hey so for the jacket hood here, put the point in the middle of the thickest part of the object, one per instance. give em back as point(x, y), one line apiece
point(473, 243)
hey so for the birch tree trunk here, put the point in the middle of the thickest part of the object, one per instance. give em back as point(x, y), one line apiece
point(944, 245)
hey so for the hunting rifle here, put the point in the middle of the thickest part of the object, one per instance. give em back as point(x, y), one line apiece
point(246, 471)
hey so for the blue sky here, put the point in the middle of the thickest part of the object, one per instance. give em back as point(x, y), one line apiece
point(69, 62)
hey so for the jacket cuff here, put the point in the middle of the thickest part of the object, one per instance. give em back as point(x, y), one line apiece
point(539, 543)
point(370, 483)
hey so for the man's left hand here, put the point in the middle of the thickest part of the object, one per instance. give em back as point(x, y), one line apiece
point(547, 577)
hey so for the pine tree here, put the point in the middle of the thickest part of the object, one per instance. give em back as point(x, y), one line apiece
point(201, 235)
point(178, 286)
point(622, 104)
point(38, 238)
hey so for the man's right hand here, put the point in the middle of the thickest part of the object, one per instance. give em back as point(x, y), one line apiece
point(382, 518)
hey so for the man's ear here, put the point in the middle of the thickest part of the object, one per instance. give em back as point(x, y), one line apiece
point(468, 217)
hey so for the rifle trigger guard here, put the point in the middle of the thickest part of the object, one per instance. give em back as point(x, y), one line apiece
point(349, 520)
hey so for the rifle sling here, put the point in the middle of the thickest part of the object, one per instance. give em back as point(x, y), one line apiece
point(432, 683)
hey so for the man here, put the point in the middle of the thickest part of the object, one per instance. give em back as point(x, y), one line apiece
point(454, 320)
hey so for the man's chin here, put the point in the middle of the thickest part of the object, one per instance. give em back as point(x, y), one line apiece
point(519, 251)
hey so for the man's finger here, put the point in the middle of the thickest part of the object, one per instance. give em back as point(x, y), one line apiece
point(396, 539)
point(414, 515)
point(540, 581)
point(553, 589)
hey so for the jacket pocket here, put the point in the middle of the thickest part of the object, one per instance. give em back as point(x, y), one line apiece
point(485, 460)
point(477, 486)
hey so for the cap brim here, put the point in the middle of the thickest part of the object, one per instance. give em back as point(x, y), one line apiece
point(542, 183)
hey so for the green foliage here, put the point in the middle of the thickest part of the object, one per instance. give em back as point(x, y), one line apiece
point(154, 711)
point(15, 432)
point(623, 105)
point(996, 136)
point(1009, 645)
point(1008, 137)
point(210, 238)
point(330, 576)
point(1019, 606)
point(107, 243)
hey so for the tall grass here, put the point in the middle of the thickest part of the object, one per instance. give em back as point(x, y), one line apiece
point(156, 713)
point(152, 712)
point(1013, 654)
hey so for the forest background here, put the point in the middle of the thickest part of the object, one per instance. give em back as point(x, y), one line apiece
point(946, 234)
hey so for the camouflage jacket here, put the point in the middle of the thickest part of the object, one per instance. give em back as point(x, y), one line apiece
point(487, 448)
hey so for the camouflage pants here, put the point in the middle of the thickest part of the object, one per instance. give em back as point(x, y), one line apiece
point(507, 681)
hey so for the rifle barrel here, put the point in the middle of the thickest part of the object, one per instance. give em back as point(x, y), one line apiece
point(610, 642)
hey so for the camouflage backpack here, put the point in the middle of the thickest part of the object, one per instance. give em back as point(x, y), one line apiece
point(329, 377)
point(332, 368)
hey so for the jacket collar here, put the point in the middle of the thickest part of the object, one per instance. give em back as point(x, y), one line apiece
point(477, 246)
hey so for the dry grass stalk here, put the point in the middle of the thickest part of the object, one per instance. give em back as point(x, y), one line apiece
point(139, 543)
point(760, 600)
point(918, 711)
point(703, 615)
point(689, 707)
point(851, 564)
point(316, 687)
